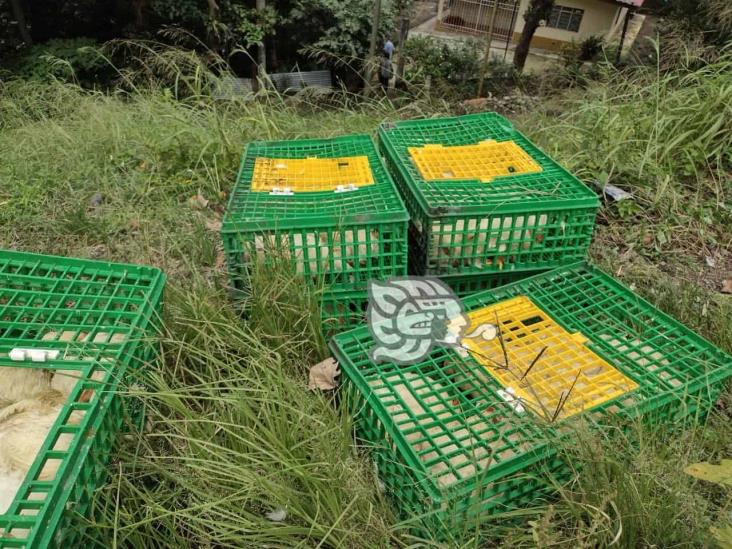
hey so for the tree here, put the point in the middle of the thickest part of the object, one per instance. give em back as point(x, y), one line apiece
point(261, 50)
point(404, 22)
point(214, 15)
point(333, 31)
point(537, 11)
point(19, 14)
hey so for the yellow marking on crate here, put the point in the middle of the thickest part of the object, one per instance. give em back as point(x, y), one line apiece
point(526, 330)
point(483, 161)
point(311, 174)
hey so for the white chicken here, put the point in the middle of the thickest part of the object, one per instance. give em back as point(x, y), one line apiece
point(21, 383)
point(24, 426)
point(477, 242)
point(30, 402)
point(335, 251)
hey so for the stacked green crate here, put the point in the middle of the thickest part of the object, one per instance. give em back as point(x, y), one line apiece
point(338, 236)
point(94, 320)
point(453, 442)
point(464, 285)
point(523, 219)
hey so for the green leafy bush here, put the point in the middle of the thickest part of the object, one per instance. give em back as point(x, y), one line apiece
point(77, 59)
point(449, 67)
point(332, 31)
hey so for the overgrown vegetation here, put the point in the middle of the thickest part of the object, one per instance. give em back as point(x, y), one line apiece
point(452, 70)
point(233, 434)
point(281, 34)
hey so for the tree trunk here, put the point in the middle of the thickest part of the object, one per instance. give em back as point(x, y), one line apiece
point(274, 61)
point(537, 10)
point(262, 81)
point(487, 54)
point(370, 62)
point(403, 35)
point(19, 15)
point(262, 49)
point(139, 7)
point(214, 14)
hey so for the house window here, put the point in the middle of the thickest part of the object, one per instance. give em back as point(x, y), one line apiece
point(565, 18)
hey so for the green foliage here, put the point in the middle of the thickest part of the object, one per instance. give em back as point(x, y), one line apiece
point(442, 61)
point(237, 25)
point(181, 12)
point(10, 40)
point(713, 18)
point(538, 9)
point(580, 62)
point(450, 67)
point(667, 138)
point(333, 31)
point(692, 31)
point(246, 26)
point(454, 68)
point(78, 59)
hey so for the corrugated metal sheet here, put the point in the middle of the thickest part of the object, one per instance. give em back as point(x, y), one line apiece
point(229, 87)
point(284, 81)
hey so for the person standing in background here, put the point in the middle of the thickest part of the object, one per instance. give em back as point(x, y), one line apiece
point(389, 48)
point(385, 70)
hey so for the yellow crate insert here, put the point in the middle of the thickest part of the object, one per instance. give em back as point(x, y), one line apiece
point(311, 174)
point(483, 161)
point(549, 370)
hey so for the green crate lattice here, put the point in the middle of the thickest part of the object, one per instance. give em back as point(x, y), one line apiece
point(343, 309)
point(42, 294)
point(520, 222)
point(463, 452)
point(464, 285)
point(339, 239)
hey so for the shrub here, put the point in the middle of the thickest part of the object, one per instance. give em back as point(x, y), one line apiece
point(77, 59)
point(453, 68)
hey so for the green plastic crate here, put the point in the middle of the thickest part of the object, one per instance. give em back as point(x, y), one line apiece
point(101, 317)
point(522, 222)
point(343, 309)
point(339, 239)
point(464, 285)
point(463, 452)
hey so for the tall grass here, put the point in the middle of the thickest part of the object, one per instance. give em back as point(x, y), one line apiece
point(665, 137)
point(640, 127)
point(233, 432)
point(234, 435)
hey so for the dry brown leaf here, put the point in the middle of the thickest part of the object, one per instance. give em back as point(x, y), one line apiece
point(198, 202)
point(213, 225)
point(648, 239)
point(323, 375)
point(727, 286)
point(719, 474)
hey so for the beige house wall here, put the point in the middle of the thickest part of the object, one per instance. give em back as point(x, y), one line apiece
point(598, 19)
